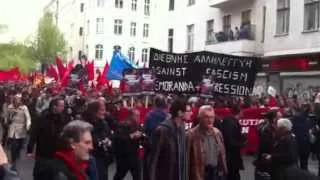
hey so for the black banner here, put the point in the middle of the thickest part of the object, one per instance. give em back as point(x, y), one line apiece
point(185, 73)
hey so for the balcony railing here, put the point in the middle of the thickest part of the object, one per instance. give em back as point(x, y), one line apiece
point(245, 32)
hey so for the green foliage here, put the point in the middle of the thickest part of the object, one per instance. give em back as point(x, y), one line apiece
point(17, 55)
point(50, 41)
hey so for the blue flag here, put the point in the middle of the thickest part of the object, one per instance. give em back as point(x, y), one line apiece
point(119, 63)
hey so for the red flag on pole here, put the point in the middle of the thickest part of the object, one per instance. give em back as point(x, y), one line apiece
point(64, 80)
point(102, 79)
point(90, 70)
point(61, 68)
point(52, 72)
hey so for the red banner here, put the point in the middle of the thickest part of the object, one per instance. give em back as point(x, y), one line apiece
point(250, 118)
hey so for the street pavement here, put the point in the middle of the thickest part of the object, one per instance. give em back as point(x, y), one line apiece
point(25, 167)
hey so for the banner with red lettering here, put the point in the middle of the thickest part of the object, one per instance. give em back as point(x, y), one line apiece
point(249, 120)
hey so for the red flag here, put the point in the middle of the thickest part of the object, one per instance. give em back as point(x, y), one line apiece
point(110, 89)
point(64, 80)
point(52, 72)
point(103, 77)
point(90, 70)
point(61, 68)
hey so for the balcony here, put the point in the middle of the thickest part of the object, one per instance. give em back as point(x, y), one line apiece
point(236, 42)
point(225, 3)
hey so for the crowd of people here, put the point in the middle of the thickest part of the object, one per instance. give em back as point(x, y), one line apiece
point(77, 137)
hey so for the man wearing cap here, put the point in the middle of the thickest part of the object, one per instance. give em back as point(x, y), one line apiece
point(19, 122)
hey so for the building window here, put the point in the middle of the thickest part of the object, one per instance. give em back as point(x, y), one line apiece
point(133, 28)
point(171, 5)
point(118, 26)
point(100, 24)
point(226, 24)
point(311, 15)
point(79, 54)
point(119, 4)
point(283, 16)
point(134, 5)
point(99, 51)
point(190, 37)
point(147, 7)
point(131, 53)
point(88, 27)
point(210, 31)
point(100, 3)
point(80, 31)
point(87, 49)
point(264, 23)
point(81, 7)
point(170, 40)
point(144, 56)
point(72, 29)
point(191, 2)
point(246, 17)
point(145, 30)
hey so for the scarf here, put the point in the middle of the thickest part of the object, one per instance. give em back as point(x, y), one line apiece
point(77, 169)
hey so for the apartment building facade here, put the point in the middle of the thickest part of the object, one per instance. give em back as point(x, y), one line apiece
point(285, 33)
point(93, 27)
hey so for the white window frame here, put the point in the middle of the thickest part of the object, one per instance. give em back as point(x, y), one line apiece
point(131, 53)
point(190, 37)
point(147, 7)
point(119, 4)
point(81, 7)
point(133, 29)
point(145, 30)
point(144, 55)
point(210, 32)
point(171, 5)
point(100, 25)
point(134, 5)
point(118, 26)
point(191, 2)
point(170, 39)
point(283, 17)
point(98, 51)
point(88, 27)
point(315, 24)
point(100, 3)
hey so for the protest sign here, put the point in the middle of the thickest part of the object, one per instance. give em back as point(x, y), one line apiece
point(147, 81)
point(131, 83)
point(183, 73)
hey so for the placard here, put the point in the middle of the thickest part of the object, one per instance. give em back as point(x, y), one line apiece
point(131, 83)
point(148, 79)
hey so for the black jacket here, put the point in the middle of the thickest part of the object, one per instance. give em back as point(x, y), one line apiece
point(101, 132)
point(233, 141)
point(301, 126)
point(54, 169)
point(45, 134)
point(126, 149)
point(267, 138)
point(284, 155)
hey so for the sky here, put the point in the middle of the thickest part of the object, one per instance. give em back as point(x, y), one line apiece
point(22, 18)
